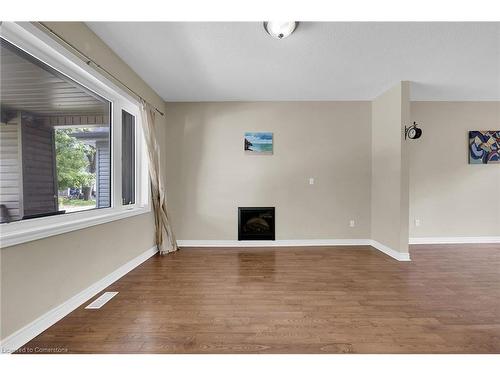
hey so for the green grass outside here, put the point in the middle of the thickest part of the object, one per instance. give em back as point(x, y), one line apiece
point(76, 202)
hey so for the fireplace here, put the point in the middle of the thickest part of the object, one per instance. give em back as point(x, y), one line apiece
point(255, 223)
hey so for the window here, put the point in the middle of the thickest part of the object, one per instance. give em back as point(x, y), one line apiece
point(68, 137)
point(56, 141)
point(128, 158)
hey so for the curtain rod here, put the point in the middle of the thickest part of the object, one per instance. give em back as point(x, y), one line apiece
point(91, 61)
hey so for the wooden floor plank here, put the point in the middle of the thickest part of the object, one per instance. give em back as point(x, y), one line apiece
point(295, 300)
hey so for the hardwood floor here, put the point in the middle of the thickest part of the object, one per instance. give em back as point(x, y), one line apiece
point(295, 300)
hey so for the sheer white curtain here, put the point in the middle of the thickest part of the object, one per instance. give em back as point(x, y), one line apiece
point(165, 239)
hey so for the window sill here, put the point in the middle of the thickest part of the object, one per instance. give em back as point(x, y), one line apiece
point(19, 232)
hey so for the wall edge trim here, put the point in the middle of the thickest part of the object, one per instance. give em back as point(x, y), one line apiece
point(402, 257)
point(40, 324)
point(276, 243)
point(453, 240)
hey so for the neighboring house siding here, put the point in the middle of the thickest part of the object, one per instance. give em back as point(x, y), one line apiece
point(11, 183)
point(103, 174)
point(39, 178)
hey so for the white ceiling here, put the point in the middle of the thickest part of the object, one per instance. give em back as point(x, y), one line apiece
point(219, 61)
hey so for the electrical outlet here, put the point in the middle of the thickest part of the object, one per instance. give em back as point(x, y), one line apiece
point(417, 222)
point(311, 180)
point(352, 223)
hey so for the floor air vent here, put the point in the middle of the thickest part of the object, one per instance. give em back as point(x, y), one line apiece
point(99, 302)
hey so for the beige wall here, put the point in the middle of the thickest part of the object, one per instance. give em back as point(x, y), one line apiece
point(209, 175)
point(42, 274)
point(39, 275)
point(389, 194)
point(451, 197)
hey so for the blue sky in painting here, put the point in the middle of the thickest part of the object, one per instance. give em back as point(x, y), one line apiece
point(259, 138)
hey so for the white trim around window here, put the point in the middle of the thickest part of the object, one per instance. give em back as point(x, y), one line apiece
point(35, 42)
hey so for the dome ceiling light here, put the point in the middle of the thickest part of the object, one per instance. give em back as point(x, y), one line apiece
point(280, 29)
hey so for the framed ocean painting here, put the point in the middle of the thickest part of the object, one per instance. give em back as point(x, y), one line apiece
point(259, 143)
point(484, 146)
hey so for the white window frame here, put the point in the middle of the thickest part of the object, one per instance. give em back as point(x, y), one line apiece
point(140, 157)
point(34, 41)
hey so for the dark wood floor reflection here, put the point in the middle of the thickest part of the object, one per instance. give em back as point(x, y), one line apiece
point(296, 300)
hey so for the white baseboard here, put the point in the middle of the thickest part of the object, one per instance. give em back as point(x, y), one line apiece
point(402, 257)
point(452, 240)
point(277, 243)
point(33, 329)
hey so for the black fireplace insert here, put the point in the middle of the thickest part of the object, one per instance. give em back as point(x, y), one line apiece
point(255, 223)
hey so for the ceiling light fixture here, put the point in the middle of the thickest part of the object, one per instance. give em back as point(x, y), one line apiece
point(280, 29)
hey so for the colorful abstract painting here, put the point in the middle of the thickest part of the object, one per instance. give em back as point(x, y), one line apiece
point(259, 143)
point(484, 147)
